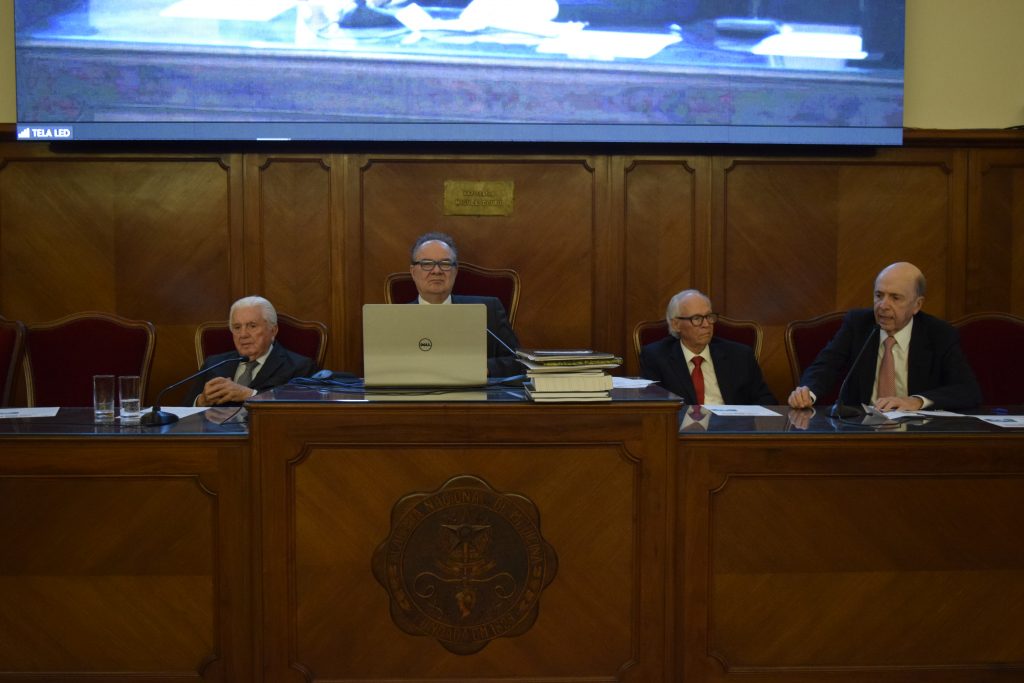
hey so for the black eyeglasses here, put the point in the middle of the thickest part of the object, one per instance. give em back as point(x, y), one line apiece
point(429, 264)
point(698, 320)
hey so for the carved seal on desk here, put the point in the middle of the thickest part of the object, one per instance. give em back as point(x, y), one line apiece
point(465, 564)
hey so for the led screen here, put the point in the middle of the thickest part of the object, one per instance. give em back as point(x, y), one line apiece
point(662, 71)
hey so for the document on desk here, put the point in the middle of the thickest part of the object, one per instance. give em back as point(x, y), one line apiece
point(897, 414)
point(741, 411)
point(1009, 421)
point(631, 382)
point(21, 413)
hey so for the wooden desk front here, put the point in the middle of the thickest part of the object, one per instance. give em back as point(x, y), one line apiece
point(743, 554)
point(842, 554)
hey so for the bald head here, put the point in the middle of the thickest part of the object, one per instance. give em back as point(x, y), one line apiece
point(899, 295)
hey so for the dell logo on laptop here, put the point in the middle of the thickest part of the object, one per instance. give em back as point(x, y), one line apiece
point(426, 344)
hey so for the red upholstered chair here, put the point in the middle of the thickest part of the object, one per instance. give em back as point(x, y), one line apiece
point(992, 343)
point(62, 356)
point(306, 337)
point(805, 338)
point(743, 331)
point(473, 280)
point(12, 344)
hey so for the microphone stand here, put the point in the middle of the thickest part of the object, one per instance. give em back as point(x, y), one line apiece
point(157, 417)
point(839, 409)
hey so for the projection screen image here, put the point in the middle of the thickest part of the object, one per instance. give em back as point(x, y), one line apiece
point(661, 71)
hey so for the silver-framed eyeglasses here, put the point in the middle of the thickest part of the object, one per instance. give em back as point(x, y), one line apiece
point(698, 320)
point(428, 265)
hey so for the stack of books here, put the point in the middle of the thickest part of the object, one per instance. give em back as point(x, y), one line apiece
point(568, 375)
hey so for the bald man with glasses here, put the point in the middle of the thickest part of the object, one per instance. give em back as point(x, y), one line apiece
point(699, 367)
point(434, 265)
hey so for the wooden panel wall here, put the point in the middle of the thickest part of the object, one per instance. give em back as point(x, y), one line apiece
point(601, 240)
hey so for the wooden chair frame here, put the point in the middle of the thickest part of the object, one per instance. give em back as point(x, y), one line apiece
point(144, 325)
point(17, 329)
point(732, 329)
point(283, 321)
point(834, 318)
point(399, 287)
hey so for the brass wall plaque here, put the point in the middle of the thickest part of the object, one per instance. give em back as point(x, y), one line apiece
point(478, 197)
point(465, 564)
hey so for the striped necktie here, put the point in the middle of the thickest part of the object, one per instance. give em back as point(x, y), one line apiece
point(245, 379)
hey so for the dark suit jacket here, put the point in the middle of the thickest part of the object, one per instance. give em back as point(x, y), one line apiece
point(500, 361)
point(281, 366)
point(739, 375)
point(936, 367)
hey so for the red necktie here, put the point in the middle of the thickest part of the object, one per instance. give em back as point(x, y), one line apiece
point(698, 379)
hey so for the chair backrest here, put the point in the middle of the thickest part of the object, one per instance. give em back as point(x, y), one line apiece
point(743, 331)
point(992, 344)
point(12, 345)
point(305, 337)
point(805, 338)
point(502, 283)
point(62, 356)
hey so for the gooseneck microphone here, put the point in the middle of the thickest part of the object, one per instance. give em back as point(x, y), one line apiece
point(839, 409)
point(498, 339)
point(157, 417)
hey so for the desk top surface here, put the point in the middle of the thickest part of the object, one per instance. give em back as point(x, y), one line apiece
point(230, 422)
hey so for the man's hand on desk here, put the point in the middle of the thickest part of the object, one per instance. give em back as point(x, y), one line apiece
point(889, 403)
point(801, 397)
point(221, 390)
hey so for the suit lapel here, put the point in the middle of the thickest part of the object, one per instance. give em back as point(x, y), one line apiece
point(269, 369)
point(678, 367)
point(920, 357)
point(722, 367)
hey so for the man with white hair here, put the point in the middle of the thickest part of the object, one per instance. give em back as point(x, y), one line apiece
point(698, 366)
point(268, 364)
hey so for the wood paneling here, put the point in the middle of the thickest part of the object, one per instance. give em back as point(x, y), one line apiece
point(150, 238)
point(851, 559)
point(797, 237)
point(665, 252)
point(125, 559)
point(995, 242)
point(551, 237)
point(601, 240)
point(331, 479)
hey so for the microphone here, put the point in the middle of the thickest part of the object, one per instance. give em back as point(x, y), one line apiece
point(838, 408)
point(157, 417)
point(498, 339)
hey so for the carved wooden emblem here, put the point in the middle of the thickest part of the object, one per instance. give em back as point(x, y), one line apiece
point(465, 564)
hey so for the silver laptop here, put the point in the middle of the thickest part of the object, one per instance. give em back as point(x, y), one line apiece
point(419, 345)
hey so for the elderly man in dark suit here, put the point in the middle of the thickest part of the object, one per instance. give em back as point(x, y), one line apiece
point(698, 366)
point(915, 363)
point(253, 322)
point(434, 265)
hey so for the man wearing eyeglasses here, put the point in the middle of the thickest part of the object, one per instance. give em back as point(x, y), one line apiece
point(434, 267)
point(699, 367)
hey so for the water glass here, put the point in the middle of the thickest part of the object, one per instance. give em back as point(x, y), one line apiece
point(103, 398)
point(130, 399)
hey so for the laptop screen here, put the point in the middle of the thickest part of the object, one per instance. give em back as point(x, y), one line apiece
point(420, 345)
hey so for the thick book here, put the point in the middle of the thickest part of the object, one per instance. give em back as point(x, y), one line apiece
point(588, 380)
point(554, 356)
point(581, 365)
point(565, 396)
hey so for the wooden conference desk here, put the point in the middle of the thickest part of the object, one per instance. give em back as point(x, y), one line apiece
point(449, 540)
